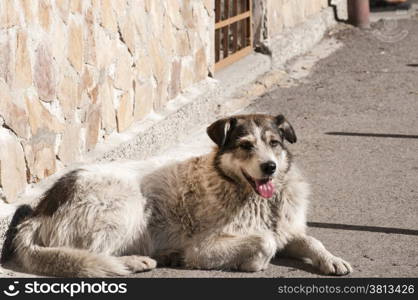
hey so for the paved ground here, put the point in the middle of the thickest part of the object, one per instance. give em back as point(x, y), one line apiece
point(356, 117)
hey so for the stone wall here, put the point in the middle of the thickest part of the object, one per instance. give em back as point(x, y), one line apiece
point(74, 72)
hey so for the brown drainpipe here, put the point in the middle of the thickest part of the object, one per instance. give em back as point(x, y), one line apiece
point(358, 13)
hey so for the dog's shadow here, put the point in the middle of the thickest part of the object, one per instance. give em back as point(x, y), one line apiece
point(279, 260)
point(294, 264)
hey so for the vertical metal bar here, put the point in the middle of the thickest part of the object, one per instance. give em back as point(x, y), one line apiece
point(244, 26)
point(235, 28)
point(217, 11)
point(250, 22)
point(226, 31)
point(217, 45)
point(226, 9)
point(235, 8)
point(217, 32)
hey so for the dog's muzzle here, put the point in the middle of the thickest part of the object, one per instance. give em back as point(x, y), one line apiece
point(264, 187)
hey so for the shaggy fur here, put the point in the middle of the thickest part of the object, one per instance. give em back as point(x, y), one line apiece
point(224, 210)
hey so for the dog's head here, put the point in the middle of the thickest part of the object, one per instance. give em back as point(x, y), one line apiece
point(251, 149)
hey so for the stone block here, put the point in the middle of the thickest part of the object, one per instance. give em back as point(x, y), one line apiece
point(125, 113)
point(40, 118)
point(59, 37)
point(14, 116)
point(68, 96)
point(107, 16)
point(7, 57)
point(9, 16)
point(90, 39)
point(40, 156)
point(44, 14)
point(200, 65)
point(182, 43)
point(75, 46)
point(92, 125)
point(76, 6)
point(123, 70)
point(158, 60)
point(105, 93)
point(27, 6)
point(63, 9)
point(128, 33)
point(69, 149)
point(23, 66)
point(12, 165)
point(175, 86)
point(144, 95)
point(45, 74)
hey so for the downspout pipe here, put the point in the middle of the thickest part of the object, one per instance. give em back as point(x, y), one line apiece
point(359, 13)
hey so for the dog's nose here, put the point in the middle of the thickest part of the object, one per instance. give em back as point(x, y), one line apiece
point(268, 168)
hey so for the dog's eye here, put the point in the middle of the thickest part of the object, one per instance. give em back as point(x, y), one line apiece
point(274, 143)
point(246, 146)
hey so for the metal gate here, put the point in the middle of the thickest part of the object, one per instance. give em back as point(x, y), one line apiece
point(233, 36)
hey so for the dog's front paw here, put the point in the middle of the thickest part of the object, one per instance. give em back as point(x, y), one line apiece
point(253, 266)
point(333, 265)
point(136, 263)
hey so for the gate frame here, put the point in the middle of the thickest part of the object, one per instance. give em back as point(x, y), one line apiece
point(225, 25)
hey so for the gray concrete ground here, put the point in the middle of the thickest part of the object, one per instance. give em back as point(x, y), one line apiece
point(356, 117)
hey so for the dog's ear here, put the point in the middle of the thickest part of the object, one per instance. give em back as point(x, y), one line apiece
point(220, 130)
point(285, 129)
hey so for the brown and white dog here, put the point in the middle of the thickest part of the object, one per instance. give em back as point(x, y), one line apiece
point(233, 208)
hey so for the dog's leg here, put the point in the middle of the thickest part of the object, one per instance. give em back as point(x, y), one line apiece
point(246, 253)
point(309, 247)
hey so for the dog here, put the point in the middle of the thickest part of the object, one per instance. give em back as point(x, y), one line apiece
point(231, 209)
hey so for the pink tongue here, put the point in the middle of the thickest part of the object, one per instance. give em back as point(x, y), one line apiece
point(266, 190)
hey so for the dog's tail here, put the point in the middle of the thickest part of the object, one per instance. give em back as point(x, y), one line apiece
point(21, 213)
point(59, 261)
